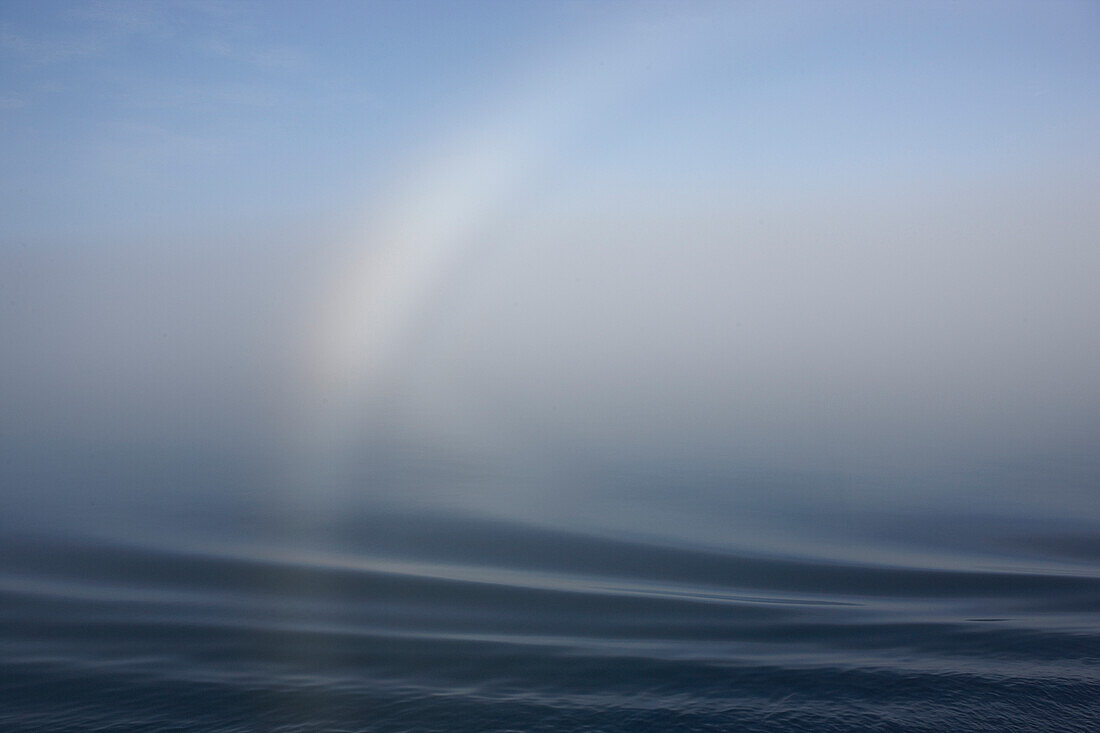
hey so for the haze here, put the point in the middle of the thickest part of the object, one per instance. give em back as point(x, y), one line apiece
point(549, 237)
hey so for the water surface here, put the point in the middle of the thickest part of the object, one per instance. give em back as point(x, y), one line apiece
point(248, 614)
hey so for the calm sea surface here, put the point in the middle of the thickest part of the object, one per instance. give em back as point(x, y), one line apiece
point(627, 604)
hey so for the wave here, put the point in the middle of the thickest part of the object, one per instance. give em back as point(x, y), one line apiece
point(432, 623)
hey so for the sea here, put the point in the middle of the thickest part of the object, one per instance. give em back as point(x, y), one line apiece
point(191, 593)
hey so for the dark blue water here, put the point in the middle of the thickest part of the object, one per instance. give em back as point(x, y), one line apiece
point(228, 607)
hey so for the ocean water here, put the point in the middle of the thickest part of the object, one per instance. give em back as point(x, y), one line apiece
point(644, 605)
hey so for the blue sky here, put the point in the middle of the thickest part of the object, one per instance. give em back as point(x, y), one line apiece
point(130, 116)
point(836, 232)
point(171, 112)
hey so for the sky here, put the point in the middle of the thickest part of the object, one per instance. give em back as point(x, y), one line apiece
point(837, 236)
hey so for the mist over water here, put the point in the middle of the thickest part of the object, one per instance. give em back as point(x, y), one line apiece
point(541, 367)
